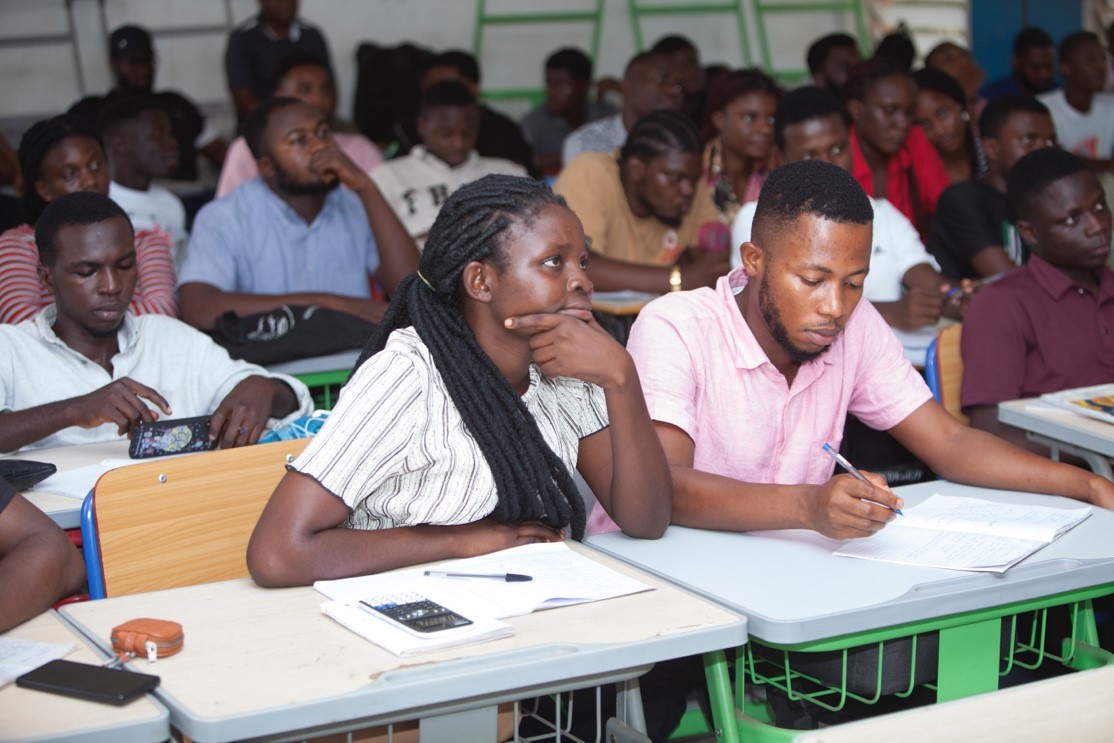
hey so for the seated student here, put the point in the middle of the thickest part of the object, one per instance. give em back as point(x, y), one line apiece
point(951, 58)
point(1082, 112)
point(746, 381)
point(131, 58)
point(739, 131)
point(972, 234)
point(1045, 327)
point(256, 46)
point(499, 135)
point(1032, 62)
point(568, 74)
point(903, 284)
point(942, 115)
point(84, 369)
point(306, 77)
point(492, 341)
point(292, 236)
point(58, 159)
point(417, 184)
point(140, 146)
point(830, 58)
point(649, 84)
point(38, 563)
point(639, 210)
point(684, 57)
point(893, 158)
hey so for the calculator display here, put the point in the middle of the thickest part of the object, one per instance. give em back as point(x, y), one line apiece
point(416, 612)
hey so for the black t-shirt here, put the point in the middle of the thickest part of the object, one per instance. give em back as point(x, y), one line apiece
point(7, 492)
point(971, 216)
point(186, 123)
point(252, 55)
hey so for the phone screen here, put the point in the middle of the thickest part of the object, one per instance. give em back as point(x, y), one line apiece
point(170, 437)
point(86, 681)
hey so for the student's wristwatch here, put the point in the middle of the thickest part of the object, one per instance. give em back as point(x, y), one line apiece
point(675, 278)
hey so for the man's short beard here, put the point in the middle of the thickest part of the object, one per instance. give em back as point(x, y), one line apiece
point(772, 317)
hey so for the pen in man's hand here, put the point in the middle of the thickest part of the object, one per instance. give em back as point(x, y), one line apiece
point(854, 472)
point(508, 577)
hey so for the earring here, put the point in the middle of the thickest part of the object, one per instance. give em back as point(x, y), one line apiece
point(964, 116)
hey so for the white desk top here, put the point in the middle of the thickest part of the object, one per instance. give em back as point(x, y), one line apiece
point(262, 661)
point(1072, 707)
point(793, 590)
point(66, 512)
point(339, 361)
point(1057, 423)
point(28, 715)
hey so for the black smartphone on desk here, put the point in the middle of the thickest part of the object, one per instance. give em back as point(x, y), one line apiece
point(85, 681)
point(158, 438)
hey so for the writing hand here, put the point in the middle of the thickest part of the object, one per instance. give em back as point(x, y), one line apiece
point(846, 508)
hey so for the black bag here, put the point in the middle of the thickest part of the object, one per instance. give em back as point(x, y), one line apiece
point(23, 473)
point(287, 333)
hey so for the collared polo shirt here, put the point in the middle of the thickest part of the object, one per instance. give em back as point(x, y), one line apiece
point(1034, 331)
point(252, 241)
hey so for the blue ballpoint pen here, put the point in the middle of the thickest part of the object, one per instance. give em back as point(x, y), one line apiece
point(851, 469)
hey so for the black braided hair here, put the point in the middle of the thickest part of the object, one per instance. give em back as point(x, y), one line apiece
point(33, 148)
point(659, 132)
point(532, 482)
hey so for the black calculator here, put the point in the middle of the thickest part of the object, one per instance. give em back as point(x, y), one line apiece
point(415, 612)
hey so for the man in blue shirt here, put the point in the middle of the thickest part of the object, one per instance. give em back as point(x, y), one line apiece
point(313, 229)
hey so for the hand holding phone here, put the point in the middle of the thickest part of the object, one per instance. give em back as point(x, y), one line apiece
point(84, 681)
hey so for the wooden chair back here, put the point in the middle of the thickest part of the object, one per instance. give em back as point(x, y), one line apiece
point(949, 364)
point(184, 521)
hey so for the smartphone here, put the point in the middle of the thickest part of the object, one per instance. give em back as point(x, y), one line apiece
point(158, 438)
point(414, 613)
point(85, 681)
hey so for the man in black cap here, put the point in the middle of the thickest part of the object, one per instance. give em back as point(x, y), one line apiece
point(131, 56)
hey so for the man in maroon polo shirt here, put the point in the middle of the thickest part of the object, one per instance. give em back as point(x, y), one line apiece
point(1049, 325)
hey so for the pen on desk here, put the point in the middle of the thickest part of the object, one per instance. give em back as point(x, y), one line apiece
point(854, 472)
point(955, 291)
point(508, 577)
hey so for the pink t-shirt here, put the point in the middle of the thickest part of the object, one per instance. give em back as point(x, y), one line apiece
point(703, 371)
point(239, 165)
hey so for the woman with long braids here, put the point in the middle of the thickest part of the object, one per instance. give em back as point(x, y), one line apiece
point(485, 384)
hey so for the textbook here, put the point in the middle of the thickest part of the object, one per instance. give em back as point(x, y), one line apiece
point(1094, 402)
point(965, 534)
point(558, 576)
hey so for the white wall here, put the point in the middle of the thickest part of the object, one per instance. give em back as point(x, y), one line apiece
point(54, 51)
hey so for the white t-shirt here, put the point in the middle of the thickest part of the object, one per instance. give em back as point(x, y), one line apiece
point(181, 363)
point(897, 248)
point(155, 207)
point(395, 448)
point(417, 185)
point(1089, 135)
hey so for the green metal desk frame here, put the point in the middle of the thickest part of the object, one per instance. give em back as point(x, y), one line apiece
point(968, 664)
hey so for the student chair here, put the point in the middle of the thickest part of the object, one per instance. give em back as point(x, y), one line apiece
point(943, 370)
point(179, 521)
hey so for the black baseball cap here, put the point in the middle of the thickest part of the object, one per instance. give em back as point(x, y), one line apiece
point(127, 41)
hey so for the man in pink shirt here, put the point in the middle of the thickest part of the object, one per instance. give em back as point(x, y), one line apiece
point(747, 381)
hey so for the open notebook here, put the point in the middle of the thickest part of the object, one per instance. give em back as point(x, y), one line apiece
point(965, 534)
point(559, 577)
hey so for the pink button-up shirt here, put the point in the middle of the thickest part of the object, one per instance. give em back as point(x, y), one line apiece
point(703, 371)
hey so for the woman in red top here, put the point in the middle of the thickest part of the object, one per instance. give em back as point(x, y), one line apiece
point(894, 160)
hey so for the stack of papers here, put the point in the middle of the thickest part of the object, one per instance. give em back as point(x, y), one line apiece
point(77, 482)
point(1094, 402)
point(559, 577)
point(965, 534)
point(17, 657)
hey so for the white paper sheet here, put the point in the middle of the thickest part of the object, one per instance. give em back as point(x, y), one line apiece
point(17, 657)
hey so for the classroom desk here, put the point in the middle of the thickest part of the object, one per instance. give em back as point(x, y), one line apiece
point(797, 596)
point(1072, 707)
point(28, 715)
point(262, 662)
point(1063, 431)
point(63, 510)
